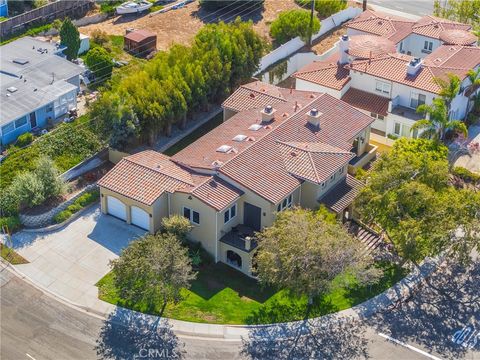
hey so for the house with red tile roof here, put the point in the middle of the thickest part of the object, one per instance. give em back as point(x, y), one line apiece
point(368, 73)
point(277, 149)
point(417, 38)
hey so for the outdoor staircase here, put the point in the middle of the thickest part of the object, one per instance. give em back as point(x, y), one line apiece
point(371, 239)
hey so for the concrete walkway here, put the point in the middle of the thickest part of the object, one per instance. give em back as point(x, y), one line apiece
point(68, 262)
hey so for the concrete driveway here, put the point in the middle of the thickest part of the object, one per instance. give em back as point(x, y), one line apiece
point(68, 262)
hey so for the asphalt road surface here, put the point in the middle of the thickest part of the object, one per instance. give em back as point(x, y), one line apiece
point(434, 324)
point(418, 7)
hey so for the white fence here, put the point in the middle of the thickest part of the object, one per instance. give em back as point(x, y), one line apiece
point(296, 44)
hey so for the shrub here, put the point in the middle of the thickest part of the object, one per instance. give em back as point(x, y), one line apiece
point(177, 225)
point(9, 202)
point(88, 198)
point(62, 216)
point(99, 37)
point(73, 208)
point(392, 136)
point(325, 8)
point(100, 62)
point(24, 139)
point(12, 223)
point(292, 23)
point(48, 174)
point(29, 189)
point(465, 174)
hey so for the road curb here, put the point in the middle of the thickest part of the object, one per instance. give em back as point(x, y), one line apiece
point(399, 292)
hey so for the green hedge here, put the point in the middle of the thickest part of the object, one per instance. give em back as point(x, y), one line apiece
point(84, 200)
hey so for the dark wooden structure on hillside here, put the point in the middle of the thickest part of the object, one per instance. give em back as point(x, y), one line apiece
point(140, 42)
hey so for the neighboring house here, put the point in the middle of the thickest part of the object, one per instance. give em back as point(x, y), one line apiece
point(140, 42)
point(37, 85)
point(417, 38)
point(367, 73)
point(3, 8)
point(277, 148)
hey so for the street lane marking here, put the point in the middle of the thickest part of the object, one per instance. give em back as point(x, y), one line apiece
point(409, 346)
point(30, 356)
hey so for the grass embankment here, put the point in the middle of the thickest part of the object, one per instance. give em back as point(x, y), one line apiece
point(11, 256)
point(223, 295)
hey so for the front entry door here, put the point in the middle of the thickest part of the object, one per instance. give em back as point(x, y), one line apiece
point(33, 119)
point(252, 216)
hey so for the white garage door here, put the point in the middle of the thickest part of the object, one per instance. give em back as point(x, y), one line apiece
point(116, 208)
point(140, 218)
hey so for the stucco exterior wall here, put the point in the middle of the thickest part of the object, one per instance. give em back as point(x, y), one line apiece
point(414, 44)
point(246, 257)
point(301, 84)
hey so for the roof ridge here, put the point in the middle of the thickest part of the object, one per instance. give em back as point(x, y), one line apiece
point(260, 92)
point(290, 143)
point(312, 164)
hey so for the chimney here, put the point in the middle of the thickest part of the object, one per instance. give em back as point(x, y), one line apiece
point(314, 117)
point(268, 113)
point(248, 243)
point(413, 66)
point(343, 48)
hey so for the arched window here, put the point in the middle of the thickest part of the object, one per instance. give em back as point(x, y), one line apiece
point(234, 259)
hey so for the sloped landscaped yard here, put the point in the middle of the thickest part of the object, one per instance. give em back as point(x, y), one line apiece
point(222, 295)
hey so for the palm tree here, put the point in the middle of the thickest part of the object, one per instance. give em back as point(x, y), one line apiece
point(448, 88)
point(474, 77)
point(437, 123)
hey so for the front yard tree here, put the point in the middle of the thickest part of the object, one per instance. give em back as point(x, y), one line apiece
point(438, 123)
point(409, 197)
point(70, 37)
point(100, 63)
point(293, 23)
point(152, 271)
point(305, 250)
point(49, 175)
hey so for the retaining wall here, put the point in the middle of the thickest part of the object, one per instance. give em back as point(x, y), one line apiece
point(45, 219)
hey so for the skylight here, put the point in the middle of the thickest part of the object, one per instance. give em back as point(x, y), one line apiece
point(12, 89)
point(240, 138)
point(255, 127)
point(224, 148)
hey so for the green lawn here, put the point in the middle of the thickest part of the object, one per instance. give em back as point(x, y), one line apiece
point(223, 295)
point(11, 256)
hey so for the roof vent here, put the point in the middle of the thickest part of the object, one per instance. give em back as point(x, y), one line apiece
point(343, 46)
point(255, 127)
point(239, 138)
point(413, 66)
point(20, 61)
point(12, 89)
point(217, 164)
point(314, 117)
point(268, 113)
point(224, 149)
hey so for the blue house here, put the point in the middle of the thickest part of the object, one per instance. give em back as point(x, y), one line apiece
point(37, 85)
point(3, 8)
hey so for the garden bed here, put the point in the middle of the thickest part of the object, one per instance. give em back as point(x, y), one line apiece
point(222, 295)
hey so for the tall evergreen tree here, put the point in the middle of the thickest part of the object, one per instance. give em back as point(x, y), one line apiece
point(70, 37)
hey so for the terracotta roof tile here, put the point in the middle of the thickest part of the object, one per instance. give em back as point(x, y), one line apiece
point(145, 176)
point(369, 46)
point(458, 37)
point(342, 194)
point(253, 95)
point(325, 73)
point(432, 26)
point(369, 102)
point(139, 35)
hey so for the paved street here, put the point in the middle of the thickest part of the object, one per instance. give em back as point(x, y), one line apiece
point(35, 324)
point(415, 7)
point(69, 262)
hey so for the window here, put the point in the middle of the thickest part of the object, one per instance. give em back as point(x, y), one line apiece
point(50, 107)
point(8, 128)
point(417, 99)
point(230, 213)
point(285, 204)
point(396, 129)
point(377, 116)
point(191, 215)
point(427, 46)
point(20, 122)
point(382, 87)
point(341, 170)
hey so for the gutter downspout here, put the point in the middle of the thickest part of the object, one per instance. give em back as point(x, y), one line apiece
point(168, 203)
point(216, 235)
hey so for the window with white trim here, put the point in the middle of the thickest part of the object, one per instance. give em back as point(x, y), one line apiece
point(377, 116)
point(20, 122)
point(417, 99)
point(230, 213)
point(8, 128)
point(382, 87)
point(285, 204)
point(403, 130)
point(397, 128)
point(192, 215)
point(427, 45)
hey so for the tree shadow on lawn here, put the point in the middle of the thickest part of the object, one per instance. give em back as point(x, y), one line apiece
point(130, 335)
point(310, 339)
point(432, 316)
point(212, 279)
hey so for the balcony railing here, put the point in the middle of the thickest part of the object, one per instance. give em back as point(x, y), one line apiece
point(240, 237)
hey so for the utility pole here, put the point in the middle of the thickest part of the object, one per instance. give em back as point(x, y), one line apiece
point(364, 5)
point(310, 29)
